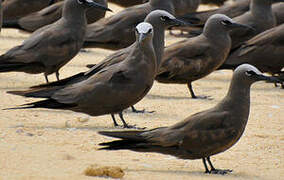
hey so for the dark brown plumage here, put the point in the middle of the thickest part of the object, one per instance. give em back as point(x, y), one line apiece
point(265, 51)
point(49, 15)
point(109, 91)
point(117, 31)
point(52, 46)
point(14, 9)
point(118, 57)
point(203, 134)
point(195, 58)
point(236, 10)
point(231, 10)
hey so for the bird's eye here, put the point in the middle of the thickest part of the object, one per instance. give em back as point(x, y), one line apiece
point(80, 1)
point(250, 73)
point(226, 22)
point(164, 18)
point(149, 31)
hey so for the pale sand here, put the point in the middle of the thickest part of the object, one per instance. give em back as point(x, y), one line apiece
point(47, 144)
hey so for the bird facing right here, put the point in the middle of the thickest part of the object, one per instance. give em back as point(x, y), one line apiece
point(203, 134)
point(195, 58)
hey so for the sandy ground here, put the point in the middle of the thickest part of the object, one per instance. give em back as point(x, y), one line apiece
point(47, 144)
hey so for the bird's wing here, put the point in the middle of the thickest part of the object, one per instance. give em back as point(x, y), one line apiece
point(206, 130)
point(269, 41)
point(111, 29)
point(45, 42)
point(182, 57)
point(114, 58)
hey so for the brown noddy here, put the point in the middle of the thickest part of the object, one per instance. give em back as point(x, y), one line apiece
point(52, 46)
point(49, 15)
point(117, 31)
point(260, 17)
point(14, 9)
point(265, 51)
point(195, 58)
point(203, 134)
point(159, 19)
point(112, 89)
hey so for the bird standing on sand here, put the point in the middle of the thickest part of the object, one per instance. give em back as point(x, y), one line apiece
point(51, 47)
point(203, 134)
point(112, 89)
point(117, 32)
point(159, 19)
point(49, 15)
point(195, 58)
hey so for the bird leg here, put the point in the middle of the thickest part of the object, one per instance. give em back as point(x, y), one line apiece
point(193, 96)
point(217, 171)
point(57, 75)
point(140, 111)
point(125, 125)
point(205, 165)
point(114, 121)
point(46, 78)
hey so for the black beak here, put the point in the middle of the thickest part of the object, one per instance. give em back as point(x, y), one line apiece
point(51, 2)
point(269, 79)
point(142, 36)
point(237, 25)
point(97, 5)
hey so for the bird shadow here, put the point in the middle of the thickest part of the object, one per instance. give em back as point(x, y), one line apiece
point(154, 96)
point(194, 173)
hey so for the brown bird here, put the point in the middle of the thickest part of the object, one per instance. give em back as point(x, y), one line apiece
point(49, 15)
point(203, 134)
point(117, 31)
point(112, 89)
point(51, 47)
point(265, 51)
point(260, 17)
point(160, 20)
point(195, 58)
point(14, 9)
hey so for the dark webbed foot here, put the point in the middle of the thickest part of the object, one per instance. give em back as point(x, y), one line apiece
point(125, 125)
point(133, 127)
point(214, 170)
point(203, 97)
point(220, 171)
point(193, 96)
point(140, 111)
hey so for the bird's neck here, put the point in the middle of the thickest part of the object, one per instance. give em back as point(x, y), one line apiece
point(237, 100)
point(159, 43)
point(74, 15)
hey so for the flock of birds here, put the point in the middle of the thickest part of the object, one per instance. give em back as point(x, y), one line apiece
point(246, 36)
